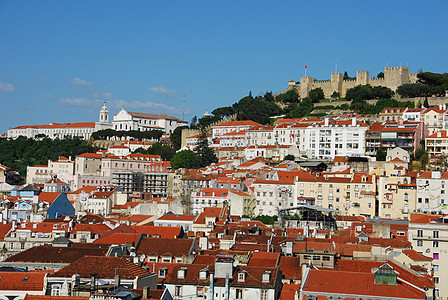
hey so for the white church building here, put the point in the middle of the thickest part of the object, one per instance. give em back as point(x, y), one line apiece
point(123, 121)
point(126, 120)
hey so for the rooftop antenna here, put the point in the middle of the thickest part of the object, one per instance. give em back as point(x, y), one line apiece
point(183, 109)
point(336, 66)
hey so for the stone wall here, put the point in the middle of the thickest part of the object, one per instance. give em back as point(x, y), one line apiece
point(393, 78)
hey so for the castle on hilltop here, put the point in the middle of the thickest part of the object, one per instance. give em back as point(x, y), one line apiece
point(393, 78)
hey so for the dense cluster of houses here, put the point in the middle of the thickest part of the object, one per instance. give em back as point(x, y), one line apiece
point(338, 225)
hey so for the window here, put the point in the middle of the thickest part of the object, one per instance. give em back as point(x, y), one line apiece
point(419, 233)
point(200, 291)
point(435, 234)
point(435, 244)
point(239, 294)
point(420, 243)
point(435, 256)
point(436, 280)
point(264, 295)
point(435, 268)
point(55, 290)
point(178, 290)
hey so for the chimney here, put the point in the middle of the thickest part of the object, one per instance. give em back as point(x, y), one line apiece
point(354, 122)
point(117, 281)
point(146, 292)
point(326, 122)
point(92, 283)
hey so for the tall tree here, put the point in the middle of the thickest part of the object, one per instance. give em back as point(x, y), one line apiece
point(206, 154)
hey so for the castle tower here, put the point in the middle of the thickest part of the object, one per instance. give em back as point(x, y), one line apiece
point(306, 83)
point(396, 76)
point(336, 83)
point(362, 77)
point(104, 114)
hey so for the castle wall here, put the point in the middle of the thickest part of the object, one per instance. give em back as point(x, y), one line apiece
point(393, 78)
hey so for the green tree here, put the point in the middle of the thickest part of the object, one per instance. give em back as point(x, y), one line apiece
point(290, 96)
point(426, 102)
point(335, 95)
point(382, 92)
point(185, 159)
point(269, 97)
point(164, 151)
point(362, 92)
point(422, 156)
point(225, 111)
point(412, 90)
point(176, 137)
point(194, 122)
point(265, 219)
point(289, 157)
point(205, 153)
point(346, 76)
point(316, 95)
point(381, 155)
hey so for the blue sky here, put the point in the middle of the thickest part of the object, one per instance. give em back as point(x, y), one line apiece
point(59, 60)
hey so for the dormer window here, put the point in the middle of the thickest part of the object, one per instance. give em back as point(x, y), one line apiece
point(203, 274)
point(181, 273)
point(242, 276)
point(163, 272)
point(266, 276)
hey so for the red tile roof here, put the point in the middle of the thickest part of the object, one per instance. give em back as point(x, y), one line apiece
point(166, 247)
point(264, 259)
point(118, 238)
point(48, 197)
point(357, 284)
point(23, 281)
point(105, 267)
point(50, 254)
point(177, 218)
point(237, 123)
point(159, 231)
point(414, 255)
point(290, 267)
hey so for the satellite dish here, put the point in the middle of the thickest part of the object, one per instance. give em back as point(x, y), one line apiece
point(142, 258)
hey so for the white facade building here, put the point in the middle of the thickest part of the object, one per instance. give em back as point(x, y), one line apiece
point(431, 192)
point(125, 120)
point(208, 197)
point(331, 138)
point(57, 130)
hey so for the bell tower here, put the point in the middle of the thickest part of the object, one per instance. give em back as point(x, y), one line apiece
point(104, 114)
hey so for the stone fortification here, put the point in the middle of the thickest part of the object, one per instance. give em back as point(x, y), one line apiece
point(393, 78)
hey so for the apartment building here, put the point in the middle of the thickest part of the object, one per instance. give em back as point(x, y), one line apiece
point(330, 138)
point(431, 192)
point(429, 236)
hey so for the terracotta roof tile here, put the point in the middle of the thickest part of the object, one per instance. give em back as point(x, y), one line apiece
point(105, 267)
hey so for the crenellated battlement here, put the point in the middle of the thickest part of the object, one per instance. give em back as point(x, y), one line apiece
point(393, 78)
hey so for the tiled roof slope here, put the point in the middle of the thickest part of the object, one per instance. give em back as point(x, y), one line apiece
point(355, 283)
point(165, 247)
point(50, 254)
point(105, 267)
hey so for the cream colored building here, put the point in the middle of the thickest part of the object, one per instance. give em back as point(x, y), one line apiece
point(241, 203)
point(432, 192)
point(63, 168)
point(351, 194)
point(429, 236)
point(437, 143)
point(434, 117)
